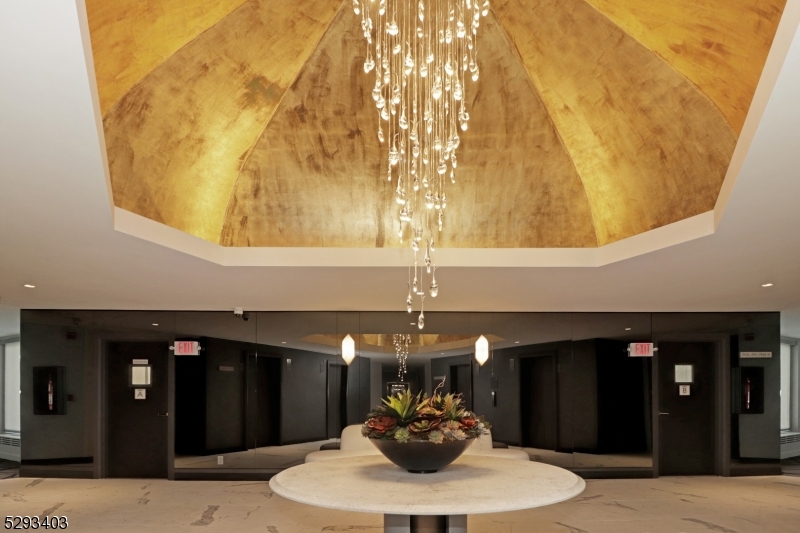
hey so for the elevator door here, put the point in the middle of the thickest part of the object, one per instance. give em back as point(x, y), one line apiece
point(687, 442)
point(263, 400)
point(337, 400)
point(137, 428)
point(538, 402)
point(461, 382)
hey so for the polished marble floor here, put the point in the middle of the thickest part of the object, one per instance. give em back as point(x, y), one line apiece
point(666, 505)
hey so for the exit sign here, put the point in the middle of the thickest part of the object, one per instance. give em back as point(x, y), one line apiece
point(640, 349)
point(187, 348)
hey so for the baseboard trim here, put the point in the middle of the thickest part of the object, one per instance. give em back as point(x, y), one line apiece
point(613, 473)
point(51, 472)
point(65, 461)
point(762, 469)
point(224, 474)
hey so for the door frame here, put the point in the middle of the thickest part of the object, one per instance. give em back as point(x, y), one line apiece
point(102, 341)
point(722, 398)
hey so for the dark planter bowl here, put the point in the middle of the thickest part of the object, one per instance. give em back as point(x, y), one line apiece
point(422, 457)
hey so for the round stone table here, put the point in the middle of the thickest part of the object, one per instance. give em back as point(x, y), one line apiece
point(429, 503)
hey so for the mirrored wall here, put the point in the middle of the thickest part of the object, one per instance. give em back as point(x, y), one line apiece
point(266, 388)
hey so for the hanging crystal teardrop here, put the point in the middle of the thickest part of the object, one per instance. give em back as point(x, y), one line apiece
point(434, 286)
point(409, 43)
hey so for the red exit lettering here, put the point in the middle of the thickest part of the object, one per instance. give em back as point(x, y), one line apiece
point(186, 348)
point(641, 349)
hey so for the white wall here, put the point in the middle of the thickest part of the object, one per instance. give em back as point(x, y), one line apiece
point(9, 321)
point(11, 405)
point(790, 323)
point(786, 386)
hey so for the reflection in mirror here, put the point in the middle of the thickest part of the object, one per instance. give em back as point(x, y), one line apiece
point(526, 389)
point(266, 389)
point(212, 391)
point(612, 414)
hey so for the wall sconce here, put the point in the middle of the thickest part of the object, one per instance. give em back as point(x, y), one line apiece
point(348, 349)
point(481, 350)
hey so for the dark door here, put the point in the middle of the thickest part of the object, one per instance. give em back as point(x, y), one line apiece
point(337, 400)
point(137, 428)
point(269, 401)
point(538, 402)
point(263, 400)
point(461, 382)
point(686, 423)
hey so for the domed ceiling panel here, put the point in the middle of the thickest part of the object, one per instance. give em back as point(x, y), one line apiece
point(719, 45)
point(177, 139)
point(650, 147)
point(247, 123)
point(132, 37)
point(315, 176)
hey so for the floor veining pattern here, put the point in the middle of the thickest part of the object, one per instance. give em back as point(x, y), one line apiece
point(665, 505)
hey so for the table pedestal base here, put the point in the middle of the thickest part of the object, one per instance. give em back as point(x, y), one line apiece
point(397, 523)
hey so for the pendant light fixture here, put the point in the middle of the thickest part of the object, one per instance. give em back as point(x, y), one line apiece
point(348, 349)
point(422, 53)
point(481, 350)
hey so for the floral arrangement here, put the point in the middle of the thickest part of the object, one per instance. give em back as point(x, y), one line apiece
point(411, 417)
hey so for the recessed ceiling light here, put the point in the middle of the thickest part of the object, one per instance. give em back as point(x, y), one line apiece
point(29, 286)
point(283, 342)
point(413, 323)
point(155, 324)
point(516, 342)
point(764, 285)
point(627, 329)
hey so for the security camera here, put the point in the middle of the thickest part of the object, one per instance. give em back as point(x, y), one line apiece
point(238, 311)
point(245, 316)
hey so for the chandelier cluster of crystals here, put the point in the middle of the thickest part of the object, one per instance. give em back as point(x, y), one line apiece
point(422, 52)
point(401, 344)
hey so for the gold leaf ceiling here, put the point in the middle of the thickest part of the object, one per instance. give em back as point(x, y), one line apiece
point(249, 123)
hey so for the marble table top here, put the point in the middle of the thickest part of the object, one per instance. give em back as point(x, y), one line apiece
point(471, 485)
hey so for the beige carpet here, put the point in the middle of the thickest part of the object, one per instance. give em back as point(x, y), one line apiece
point(666, 505)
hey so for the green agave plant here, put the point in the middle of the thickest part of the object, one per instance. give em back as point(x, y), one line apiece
point(405, 416)
point(403, 406)
point(450, 405)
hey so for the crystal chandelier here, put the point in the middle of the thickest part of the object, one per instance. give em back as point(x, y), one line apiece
point(401, 343)
point(422, 52)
